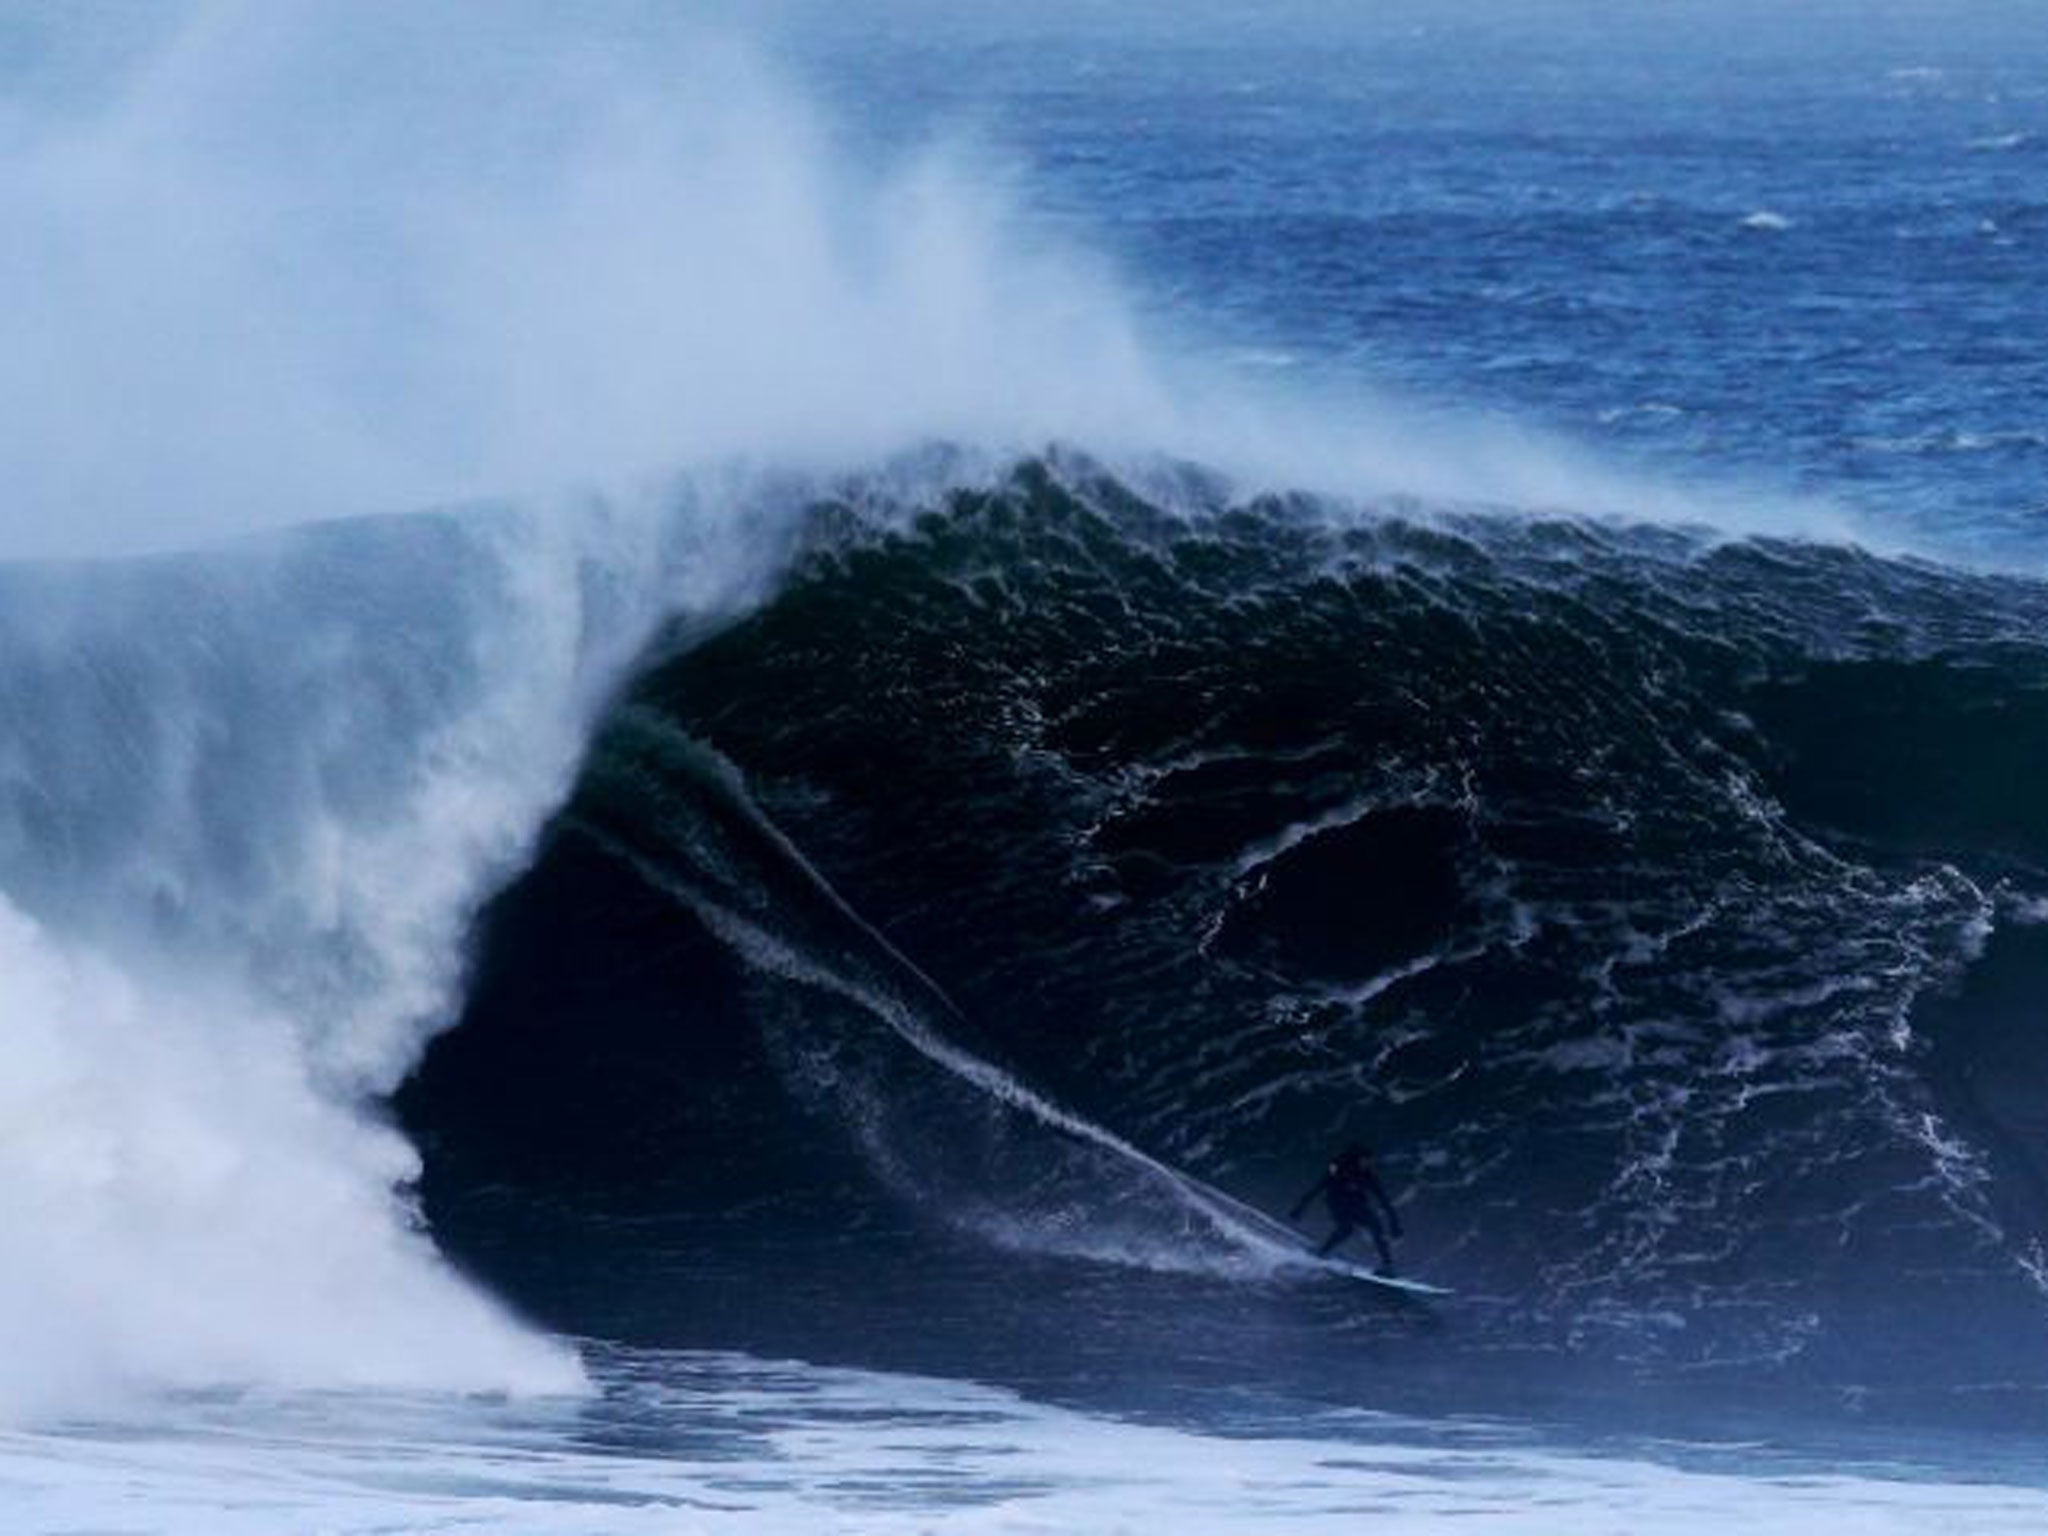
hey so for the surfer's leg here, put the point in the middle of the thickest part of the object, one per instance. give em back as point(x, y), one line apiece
point(1344, 1229)
point(1379, 1241)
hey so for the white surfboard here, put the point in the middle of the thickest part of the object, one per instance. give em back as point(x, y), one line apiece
point(1374, 1277)
point(1282, 1242)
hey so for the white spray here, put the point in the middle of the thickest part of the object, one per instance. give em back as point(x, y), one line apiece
point(267, 263)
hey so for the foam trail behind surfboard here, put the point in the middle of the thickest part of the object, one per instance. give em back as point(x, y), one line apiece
point(750, 848)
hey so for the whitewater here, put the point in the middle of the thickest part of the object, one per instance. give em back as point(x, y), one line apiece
point(726, 740)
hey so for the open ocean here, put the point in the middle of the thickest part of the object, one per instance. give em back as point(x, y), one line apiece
point(730, 735)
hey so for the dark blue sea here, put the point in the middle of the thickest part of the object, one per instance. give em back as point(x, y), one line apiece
point(731, 736)
point(1780, 247)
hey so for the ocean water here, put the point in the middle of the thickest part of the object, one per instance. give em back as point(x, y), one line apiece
point(729, 738)
point(715, 1442)
point(1781, 251)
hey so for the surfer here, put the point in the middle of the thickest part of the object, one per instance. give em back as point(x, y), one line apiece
point(1352, 1190)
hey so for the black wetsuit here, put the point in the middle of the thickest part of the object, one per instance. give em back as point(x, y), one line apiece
point(1355, 1197)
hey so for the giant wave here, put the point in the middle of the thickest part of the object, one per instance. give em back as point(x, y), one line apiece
point(1659, 903)
point(907, 911)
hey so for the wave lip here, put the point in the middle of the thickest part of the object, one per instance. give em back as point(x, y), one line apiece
point(247, 800)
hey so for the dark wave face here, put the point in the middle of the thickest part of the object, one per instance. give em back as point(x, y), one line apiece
point(1049, 864)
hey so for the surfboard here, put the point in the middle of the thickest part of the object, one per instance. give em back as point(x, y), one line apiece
point(1374, 1277)
point(1279, 1240)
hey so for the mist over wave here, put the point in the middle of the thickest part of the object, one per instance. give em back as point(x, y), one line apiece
point(288, 264)
point(273, 262)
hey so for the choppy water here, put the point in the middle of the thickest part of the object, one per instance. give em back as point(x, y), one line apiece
point(708, 1442)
